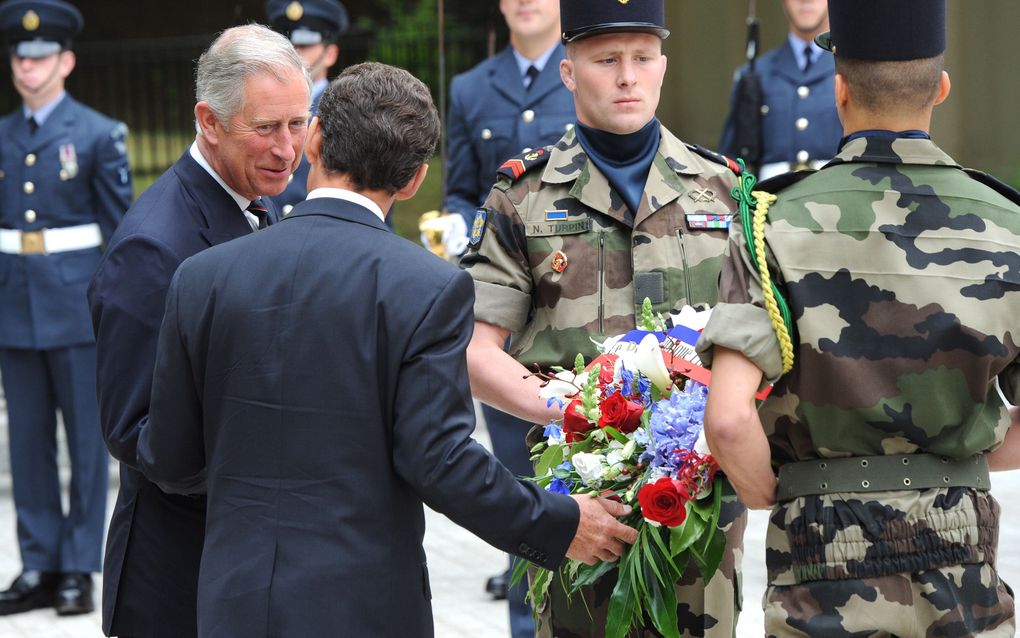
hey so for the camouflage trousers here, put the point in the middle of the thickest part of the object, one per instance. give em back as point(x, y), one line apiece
point(952, 602)
point(706, 610)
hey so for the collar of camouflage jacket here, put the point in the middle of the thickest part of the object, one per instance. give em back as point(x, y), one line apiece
point(568, 163)
point(884, 150)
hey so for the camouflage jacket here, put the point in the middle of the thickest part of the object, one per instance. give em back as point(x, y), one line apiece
point(903, 277)
point(561, 259)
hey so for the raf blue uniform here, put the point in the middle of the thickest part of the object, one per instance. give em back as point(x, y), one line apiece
point(799, 124)
point(63, 189)
point(493, 117)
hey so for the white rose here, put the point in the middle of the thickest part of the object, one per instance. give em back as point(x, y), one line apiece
point(590, 467)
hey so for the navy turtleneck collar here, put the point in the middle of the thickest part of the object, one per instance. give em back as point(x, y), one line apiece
point(912, 134)
point(624, 159)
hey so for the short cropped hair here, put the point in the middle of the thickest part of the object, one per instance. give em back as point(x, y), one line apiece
point(237, 54)
point(892, 86)
point(378, 125)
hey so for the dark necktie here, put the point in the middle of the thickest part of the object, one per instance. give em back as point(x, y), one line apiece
point(807, 58)
point(530, 76)
point(33, 126)
point(260, 212)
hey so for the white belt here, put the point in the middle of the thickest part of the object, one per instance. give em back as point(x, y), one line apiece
point(50, 240)
point(778, 168)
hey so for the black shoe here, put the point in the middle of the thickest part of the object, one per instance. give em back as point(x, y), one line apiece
point(30, 590)
point(74, 595)
point(496, 585)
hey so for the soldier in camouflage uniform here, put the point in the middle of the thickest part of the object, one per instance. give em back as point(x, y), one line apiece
point(568, 246)
point(902, 272)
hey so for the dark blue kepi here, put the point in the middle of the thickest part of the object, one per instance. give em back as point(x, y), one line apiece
point(585, 18)
point(885, 30)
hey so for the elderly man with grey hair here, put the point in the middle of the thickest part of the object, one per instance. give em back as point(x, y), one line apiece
point(251, 116)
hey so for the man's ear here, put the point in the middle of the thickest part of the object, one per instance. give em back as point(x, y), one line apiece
point(567, 74)
point(67, 63)
point(841, 91)
point(409, 190)
point(330, 56)
point(944, 87)
point(206, 120)
point(313, 141)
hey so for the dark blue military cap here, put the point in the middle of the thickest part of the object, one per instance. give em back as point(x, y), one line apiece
point(585, 18)
point(885, 30)
point(38, 28)
point(308, 22)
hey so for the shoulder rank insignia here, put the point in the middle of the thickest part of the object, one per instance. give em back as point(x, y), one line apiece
point(477, 228)
point(718, 158)
point(515, 167)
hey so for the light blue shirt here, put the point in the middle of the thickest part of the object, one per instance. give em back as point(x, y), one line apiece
point(798, 50)
point(539, 63)
point(44, 111)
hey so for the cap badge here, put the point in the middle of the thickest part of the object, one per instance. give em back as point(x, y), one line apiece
point(624, 1)
point(30, 21)
point(295, 11)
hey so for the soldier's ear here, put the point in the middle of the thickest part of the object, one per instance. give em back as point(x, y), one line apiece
point(944, 87)
point(567, 74)
point(841, 90)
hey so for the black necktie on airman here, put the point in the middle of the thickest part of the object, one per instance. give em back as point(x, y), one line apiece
point(33, 126)
point(807, 57)
point(260, 212)
point(531, 74)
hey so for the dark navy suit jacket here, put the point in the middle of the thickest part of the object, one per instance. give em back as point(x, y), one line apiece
point(789, 94)
point(488, 125)
point(155, 540)
point(312, 379)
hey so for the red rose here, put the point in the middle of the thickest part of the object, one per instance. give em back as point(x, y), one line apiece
point(664, 501)
point(619, 413)
point(575, 425)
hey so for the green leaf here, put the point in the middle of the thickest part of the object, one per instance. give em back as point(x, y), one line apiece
point(683, 536)
point(589, 574)
point(623, 602)
point(616, 434)
point(549, 459)
point(662, 608)
point(709, 556)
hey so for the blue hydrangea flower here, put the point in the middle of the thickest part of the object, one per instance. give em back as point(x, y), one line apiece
point(675, 425)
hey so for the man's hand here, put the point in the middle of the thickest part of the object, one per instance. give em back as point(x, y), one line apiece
point(599, 535)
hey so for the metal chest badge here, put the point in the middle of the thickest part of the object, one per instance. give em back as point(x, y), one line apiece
point(477, 228)
point(68, 162)
point(559, 261)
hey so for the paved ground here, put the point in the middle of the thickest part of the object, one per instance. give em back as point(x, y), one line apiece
point(459, 563)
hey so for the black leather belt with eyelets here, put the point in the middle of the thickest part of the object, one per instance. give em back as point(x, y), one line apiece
point(881, 474)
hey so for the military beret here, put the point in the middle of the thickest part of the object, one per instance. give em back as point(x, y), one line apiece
point(38, 28)
point(585, 18)
point(308, 22)
point(885, 30)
